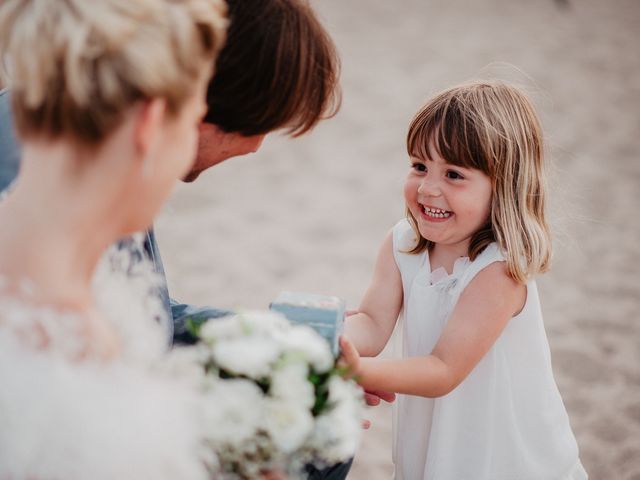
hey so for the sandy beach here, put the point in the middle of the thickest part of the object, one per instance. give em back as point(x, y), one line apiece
point(309, 214)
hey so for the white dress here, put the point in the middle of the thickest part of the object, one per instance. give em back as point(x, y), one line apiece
point(506, 420)
point(66, 413)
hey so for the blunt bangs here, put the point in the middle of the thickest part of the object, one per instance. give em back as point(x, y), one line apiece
point(446, 125)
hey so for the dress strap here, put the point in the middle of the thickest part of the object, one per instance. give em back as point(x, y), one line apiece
point(404, 239)
point(489, 255)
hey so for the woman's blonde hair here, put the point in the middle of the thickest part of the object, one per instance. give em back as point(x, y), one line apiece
point(492, 127)
point(75, 66)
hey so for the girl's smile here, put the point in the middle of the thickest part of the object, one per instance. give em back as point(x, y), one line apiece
point(433, 214)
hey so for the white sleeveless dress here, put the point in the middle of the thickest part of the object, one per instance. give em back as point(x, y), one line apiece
point(506, 420)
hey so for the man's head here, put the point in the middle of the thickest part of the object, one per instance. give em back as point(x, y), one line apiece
point(278, 70)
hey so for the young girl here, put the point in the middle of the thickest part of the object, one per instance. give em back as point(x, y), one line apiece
point(478, 396)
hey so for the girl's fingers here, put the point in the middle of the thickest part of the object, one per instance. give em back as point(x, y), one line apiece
point(373, 397)
point(349, 352)
point(350, 355)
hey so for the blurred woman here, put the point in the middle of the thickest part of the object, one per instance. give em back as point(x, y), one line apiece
point(107, 97)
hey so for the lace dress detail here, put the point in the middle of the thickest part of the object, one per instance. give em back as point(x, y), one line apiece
point(138, 314)
point(68, 414)
point(34, 325)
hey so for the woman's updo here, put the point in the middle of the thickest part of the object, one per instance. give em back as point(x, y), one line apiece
point(75, 67)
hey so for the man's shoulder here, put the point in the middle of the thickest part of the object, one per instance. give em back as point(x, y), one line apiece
point(9, 147)
point(5, 108)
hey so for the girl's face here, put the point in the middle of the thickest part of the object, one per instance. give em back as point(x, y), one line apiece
point(449, 203)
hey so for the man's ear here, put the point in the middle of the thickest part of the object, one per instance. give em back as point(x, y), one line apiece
point(149, 118)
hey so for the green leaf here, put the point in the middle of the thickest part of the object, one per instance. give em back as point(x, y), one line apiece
point(320, 382)
point(194, 325)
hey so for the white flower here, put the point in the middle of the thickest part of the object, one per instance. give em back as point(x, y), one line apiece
point(263, 323)
point(221, 328)
point(138, 314)
point(288, 423)
point(251, 323)
point(250, 356)
point(187, 362)
point(306, 342)
point(337, 433)
point(252, 430)
point(233, 411)
point(291, 383)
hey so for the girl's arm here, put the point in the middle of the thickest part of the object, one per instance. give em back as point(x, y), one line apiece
point(371, 327)
point(478, 319)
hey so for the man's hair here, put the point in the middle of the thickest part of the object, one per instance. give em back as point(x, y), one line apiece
point(76, 66)
point(492, 127)
point(278, 69)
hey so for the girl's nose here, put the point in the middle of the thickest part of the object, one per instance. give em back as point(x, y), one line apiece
point(429, 187)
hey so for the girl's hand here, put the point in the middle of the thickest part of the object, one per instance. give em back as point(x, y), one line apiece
point(349, 356)
point(373, 397)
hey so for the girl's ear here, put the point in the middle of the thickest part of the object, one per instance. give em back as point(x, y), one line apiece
point(148, 122)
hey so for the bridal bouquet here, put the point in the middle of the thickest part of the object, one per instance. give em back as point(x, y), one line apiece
point(275, 398)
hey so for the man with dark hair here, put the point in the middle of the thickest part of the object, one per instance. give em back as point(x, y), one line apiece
point(277, 71)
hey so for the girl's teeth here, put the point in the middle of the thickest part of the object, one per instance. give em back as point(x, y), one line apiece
point(436, 212)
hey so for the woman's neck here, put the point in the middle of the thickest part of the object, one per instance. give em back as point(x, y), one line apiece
point(56, 225)
point(59, 265)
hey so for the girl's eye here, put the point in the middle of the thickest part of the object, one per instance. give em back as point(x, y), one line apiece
point(453, 175)
point(419, 167)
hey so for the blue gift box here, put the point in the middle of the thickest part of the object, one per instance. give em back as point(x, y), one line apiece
point(323, 313)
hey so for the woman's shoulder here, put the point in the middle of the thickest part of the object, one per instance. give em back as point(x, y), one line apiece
point(36, 326)
point(115, 419)
point(126, 317)
point(33, 326)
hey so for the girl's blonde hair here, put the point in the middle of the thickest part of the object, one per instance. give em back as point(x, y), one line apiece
point(75, 66)
point(492, 127)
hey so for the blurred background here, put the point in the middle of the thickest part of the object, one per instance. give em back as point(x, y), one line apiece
point(309, 214)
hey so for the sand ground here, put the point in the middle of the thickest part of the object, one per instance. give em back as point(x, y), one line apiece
point(309, 214)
